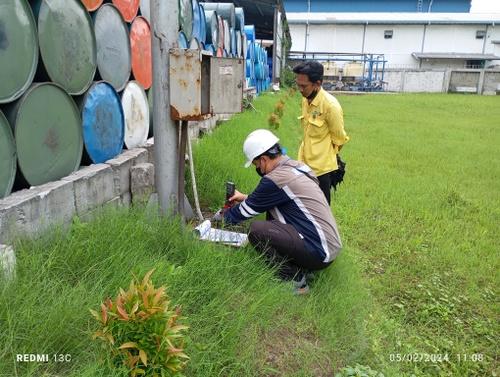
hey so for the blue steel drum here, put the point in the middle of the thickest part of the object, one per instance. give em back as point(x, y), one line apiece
point(258, 72)
point(259, 54)
point(250, 32)
point(182, 40)
point(211, 48)
point(103, 122)
point(250, 51)
point(203, 25)
point(196, 20)
point(240, 19)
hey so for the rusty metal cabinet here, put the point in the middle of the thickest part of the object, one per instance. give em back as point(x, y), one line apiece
point(201, 85)
point(189, 84)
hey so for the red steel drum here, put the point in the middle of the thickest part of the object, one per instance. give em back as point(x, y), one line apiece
point(128, 8)
point(140, 43)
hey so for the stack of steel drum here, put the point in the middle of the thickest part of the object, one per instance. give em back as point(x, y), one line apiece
point(75, 76)
point(257, 67)
point(226, 35)
point(73, 86)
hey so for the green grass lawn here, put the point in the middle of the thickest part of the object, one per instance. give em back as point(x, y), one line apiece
point(419, 214)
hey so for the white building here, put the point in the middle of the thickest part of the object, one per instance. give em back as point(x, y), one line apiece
point(408, 40)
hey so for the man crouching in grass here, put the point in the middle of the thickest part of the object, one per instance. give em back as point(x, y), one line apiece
point(300, 234)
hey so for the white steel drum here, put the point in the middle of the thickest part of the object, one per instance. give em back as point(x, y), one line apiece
point(194, 44)
point(227, 36)
point(136, 110)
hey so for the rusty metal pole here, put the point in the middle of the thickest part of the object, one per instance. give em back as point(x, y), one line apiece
point(164, 27)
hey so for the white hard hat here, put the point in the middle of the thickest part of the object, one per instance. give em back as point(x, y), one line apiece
point(257, 143)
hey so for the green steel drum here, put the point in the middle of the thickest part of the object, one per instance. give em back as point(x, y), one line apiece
point(48, 133)
point(67, 43)
point(7, 157)
point(113, 46)
point(18, 49)
point(186, 17)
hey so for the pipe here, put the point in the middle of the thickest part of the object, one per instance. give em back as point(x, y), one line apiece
point(183, 131)
point(307, 24)
point(193, 179)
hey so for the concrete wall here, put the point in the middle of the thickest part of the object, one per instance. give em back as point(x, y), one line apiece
point(491, 83)
point(447, 80)
point(32, 211)
point(415, 81)
point(464, 79)
point(118, 182)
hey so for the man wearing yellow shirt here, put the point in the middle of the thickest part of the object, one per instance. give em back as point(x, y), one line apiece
point(323, 125)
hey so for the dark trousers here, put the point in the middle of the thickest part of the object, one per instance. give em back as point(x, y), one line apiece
point(325, 184)
point(282, 246)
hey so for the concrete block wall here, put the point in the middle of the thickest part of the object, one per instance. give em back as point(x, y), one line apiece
point(442, 81)
point(464, 79)
point(415, 81)
point(491, 83)
point(429, 81)
point(117, 182)
point(32, 211)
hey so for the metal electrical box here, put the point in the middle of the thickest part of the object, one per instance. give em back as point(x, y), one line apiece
point(226, 85)
point(189, 84)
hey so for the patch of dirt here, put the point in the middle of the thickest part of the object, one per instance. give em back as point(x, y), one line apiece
point(283, 347)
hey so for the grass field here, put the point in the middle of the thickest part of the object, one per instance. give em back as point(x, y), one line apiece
point(414, 291)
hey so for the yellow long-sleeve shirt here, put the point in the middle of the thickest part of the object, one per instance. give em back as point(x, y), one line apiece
point(323, 125)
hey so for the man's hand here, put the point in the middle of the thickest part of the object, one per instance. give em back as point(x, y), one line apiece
point(219, 215)
point(238, 197)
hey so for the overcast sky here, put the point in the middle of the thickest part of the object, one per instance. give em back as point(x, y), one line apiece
point(485, 6)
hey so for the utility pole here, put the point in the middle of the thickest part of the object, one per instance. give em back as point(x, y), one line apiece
point(164, 26)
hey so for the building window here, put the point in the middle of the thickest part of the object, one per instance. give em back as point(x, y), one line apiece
point(474, 64)
point(480, 34)
point(388, 34)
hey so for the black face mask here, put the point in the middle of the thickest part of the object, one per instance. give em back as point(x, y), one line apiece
point(257, 170)
point(312, 95)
